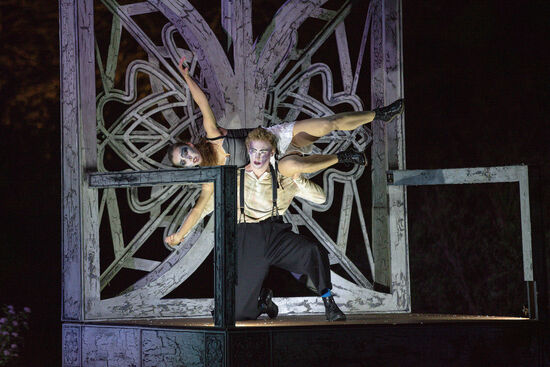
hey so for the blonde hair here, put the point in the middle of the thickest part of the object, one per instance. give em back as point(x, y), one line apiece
point(262, 134)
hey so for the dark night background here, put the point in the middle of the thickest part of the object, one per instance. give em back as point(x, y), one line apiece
point(476, 84)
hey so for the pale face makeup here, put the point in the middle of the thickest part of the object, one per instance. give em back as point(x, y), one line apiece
point(186, 156)
point(259, 153)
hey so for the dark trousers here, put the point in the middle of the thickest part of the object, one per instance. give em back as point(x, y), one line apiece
point(260, 245)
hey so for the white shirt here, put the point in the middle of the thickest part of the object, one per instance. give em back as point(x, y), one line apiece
point(258, 196)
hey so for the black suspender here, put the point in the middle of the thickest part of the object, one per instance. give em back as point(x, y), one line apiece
point(241, 192)
point(274, 186)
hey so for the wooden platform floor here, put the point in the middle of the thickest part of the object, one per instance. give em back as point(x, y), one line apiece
point(319, 320)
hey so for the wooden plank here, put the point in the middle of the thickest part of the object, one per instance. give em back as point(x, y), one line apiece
point(111, 346)
point(393, 82)
point(454, 176)
point(225, 275)
point(88, 153)
point(317, 320)
point(345, 218)
point(71, 341)
point(167, 347)
point(380, 233)
point(395, 135)
point(70, 191)
point(343, 51)
point(138, 8)
point(526, 233)
point(401, 289)
point(539, 303)
point(115, 222)
point(154, 177)
point(137, 263)
point(363, 226)
point(368, 21)
point(78, 143)
point(112, 54)
point(388, 150)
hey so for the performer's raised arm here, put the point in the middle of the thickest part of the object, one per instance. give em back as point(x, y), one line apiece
point(208, 119)
point(194, 215)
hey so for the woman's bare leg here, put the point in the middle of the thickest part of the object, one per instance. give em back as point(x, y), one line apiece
point(296, 164)
point(307, 131)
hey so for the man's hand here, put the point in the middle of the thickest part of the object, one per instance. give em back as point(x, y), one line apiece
point(173, 240)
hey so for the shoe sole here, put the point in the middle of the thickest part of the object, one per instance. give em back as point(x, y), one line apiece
point(339, 318)
point(273, 315)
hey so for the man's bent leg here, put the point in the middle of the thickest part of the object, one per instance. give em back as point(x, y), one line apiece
point(299, 254)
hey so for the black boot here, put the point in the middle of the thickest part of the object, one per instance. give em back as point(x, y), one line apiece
point(352, 156)
point(332, 312)
point(266, 304)
point(388, 113)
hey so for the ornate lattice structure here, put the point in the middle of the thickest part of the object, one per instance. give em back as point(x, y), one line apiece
point(141, 105)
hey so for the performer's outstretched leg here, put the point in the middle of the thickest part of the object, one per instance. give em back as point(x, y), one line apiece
point(296, 164)
point(307, 131)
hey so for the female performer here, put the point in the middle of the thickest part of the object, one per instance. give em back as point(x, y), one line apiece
point(293, 139)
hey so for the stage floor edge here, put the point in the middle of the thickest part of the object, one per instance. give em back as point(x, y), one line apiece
point(319, 320)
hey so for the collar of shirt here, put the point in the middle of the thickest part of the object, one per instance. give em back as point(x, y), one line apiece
point(264, 176)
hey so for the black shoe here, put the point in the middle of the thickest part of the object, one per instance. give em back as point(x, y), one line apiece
point(332, 312)
point(388, 113)
point(266, 304)
point(352, 156)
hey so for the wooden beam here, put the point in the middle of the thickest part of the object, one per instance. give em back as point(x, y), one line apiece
point(388, 145)
point(538, 305)
point(225, 260)
point(456, 176)
point(78, 148)
point(155, 177)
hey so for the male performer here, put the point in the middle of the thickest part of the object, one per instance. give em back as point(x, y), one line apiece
point(262, 237)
